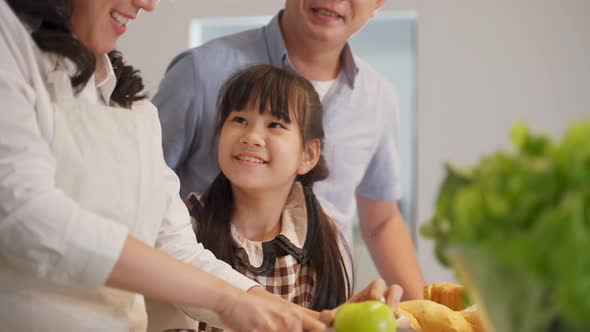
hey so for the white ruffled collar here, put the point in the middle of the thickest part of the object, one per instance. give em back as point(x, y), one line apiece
point(294, 226)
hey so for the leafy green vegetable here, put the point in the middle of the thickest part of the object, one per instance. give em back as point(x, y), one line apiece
point(529, 211)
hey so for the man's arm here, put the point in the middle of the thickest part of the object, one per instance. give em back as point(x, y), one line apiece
point(388, 239)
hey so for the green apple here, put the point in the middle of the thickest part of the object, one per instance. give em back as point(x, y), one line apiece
point(368, 316)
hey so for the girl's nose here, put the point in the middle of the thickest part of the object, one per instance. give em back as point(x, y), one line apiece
point(147, 5)
point(253, 136)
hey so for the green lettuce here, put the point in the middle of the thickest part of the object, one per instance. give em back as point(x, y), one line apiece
point(528, 209)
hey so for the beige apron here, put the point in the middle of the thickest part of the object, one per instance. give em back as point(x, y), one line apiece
point(108, 161)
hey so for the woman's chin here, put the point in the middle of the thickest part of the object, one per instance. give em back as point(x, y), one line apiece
point(101, 48)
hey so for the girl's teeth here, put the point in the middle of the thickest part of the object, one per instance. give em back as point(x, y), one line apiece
point(327, 13)
point(250, 159)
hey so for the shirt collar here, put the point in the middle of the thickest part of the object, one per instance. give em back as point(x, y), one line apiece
point(279, 56)
point(349, 67)
point(294, 225)
point(105, 78)
point(274, 41)
point(99, 87)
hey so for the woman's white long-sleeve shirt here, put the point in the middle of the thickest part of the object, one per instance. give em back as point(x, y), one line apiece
point(35, 237)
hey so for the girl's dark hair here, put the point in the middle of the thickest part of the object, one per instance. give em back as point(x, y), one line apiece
point(288, 97)
point(49, 22)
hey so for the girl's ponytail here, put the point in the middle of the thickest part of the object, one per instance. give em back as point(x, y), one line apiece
point(333, 282)
point(213, 226)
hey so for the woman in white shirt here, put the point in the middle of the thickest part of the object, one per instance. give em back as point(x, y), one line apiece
point(85, 194)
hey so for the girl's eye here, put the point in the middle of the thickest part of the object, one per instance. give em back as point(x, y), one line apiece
point(238, 119)
point(276, 125)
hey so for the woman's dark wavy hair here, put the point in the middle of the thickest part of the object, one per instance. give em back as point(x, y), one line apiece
point(50, 24)
point(288, 97)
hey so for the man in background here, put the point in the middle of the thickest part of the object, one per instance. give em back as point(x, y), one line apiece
point(309, 37)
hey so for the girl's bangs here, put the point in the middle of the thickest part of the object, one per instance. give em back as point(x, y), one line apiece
point(266, 90)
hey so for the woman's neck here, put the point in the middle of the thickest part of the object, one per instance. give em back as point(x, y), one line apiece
point(257, 216)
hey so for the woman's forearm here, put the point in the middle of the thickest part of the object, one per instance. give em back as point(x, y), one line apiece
point(145, 270)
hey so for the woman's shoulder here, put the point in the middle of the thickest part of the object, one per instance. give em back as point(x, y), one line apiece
point(18, 43)
point(24, 65)
point(9, 22)
point(23, 71)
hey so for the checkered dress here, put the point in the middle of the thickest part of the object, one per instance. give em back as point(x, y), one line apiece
point(289, 279)
point(289, 276)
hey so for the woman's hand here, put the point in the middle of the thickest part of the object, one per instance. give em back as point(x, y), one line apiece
point(144, 270)
point(249, 313)
point(260, 311)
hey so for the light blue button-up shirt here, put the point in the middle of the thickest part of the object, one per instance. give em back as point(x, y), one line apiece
point(361, 120)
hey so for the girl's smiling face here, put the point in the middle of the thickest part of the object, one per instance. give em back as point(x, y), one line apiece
point(270, 130)
point(98, 24)
point(259, 151)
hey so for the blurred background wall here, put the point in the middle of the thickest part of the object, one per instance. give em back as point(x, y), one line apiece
point(482, 65)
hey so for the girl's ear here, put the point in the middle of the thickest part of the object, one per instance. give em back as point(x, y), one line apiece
point(311, 156)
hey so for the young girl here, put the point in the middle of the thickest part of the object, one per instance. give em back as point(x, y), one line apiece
point(260, 214)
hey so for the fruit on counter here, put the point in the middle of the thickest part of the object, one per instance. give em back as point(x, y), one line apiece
point(368, 316)
point(429, 316)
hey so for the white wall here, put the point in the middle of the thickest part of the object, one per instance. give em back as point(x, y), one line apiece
point(154, 38)
point(482, 65)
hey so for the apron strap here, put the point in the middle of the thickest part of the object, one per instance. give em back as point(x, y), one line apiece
point(60, 83)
